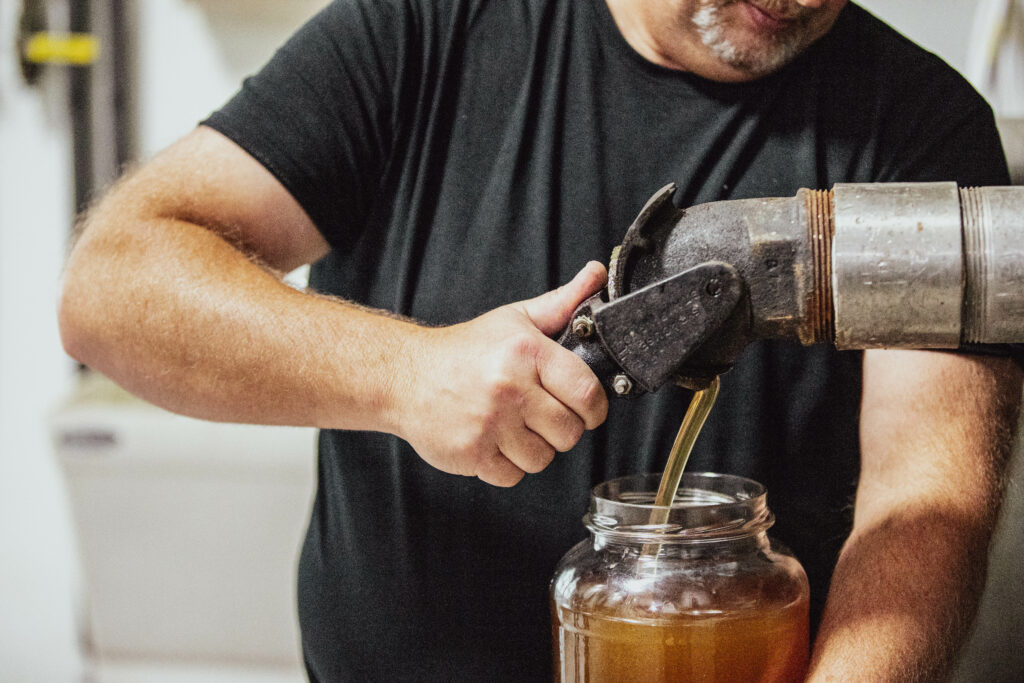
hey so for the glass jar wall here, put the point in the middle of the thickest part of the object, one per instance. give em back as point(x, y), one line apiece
point(701, 595)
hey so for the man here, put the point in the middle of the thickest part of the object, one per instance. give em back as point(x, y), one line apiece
point(441, 159)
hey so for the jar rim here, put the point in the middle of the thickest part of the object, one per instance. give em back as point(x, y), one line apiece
point(708, 507)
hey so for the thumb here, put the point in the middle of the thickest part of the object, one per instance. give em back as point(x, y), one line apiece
point(551, 311)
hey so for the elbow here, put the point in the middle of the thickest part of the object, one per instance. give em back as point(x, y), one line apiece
point(93, 304)
point(71, 321)
point(86, 315)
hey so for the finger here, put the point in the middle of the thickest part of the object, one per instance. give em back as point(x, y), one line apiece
point(552, 421)
point(551, 311)
point(526, 449)
point(497, 470)
point(567, 378)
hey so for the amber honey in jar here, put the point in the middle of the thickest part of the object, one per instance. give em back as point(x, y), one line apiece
point(705, 595)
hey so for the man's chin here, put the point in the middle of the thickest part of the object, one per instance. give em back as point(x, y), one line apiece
point(739, 40)
point(757, 55)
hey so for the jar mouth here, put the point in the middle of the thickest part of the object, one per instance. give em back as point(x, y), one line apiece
point(707, 507)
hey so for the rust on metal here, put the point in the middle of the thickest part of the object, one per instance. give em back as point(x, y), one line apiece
point(821, 228)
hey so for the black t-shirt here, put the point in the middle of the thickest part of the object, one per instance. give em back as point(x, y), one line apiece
point(461, 154)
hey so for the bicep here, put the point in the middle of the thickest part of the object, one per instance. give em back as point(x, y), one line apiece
point(208, 180)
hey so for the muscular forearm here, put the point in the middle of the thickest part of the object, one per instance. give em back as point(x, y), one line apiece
point(902, 598)
point(936, 430)
point(182, 318)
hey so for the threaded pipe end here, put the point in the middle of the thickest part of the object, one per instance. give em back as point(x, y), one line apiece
point(975, 246)
point(821, 227)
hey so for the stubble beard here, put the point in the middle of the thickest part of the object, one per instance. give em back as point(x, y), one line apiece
point(770, 54)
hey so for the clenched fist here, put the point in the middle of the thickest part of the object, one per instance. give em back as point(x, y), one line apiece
point(496, 397)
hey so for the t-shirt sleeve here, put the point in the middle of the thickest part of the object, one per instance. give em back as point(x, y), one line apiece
point(320, 114)
point(942, 129)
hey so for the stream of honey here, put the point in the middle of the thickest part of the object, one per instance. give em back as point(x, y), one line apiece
point(689, 430)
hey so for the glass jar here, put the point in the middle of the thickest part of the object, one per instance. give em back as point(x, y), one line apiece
point(695, 592)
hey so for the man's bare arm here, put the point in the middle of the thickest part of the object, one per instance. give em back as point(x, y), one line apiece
point(173, 290)
point(936, 431)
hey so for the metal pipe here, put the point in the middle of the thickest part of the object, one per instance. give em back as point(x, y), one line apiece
point(927, 265)
point(893, 265)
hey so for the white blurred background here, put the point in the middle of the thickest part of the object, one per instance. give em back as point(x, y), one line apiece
point(195, 584)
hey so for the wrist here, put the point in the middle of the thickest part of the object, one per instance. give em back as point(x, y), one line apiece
point(401, 377)
point(371, 370)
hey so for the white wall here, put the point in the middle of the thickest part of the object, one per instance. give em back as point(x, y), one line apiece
point(193, 54)
point(36, 581)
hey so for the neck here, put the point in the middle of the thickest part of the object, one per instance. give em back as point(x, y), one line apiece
point(634, 20)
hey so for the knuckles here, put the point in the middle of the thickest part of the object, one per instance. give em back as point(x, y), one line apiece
point(522, 346)
point(496, 470)
point(470, 448)
point(502, 386)
point(537, 460)
point(592, 397)
point(569, 430)
point(573, 434)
